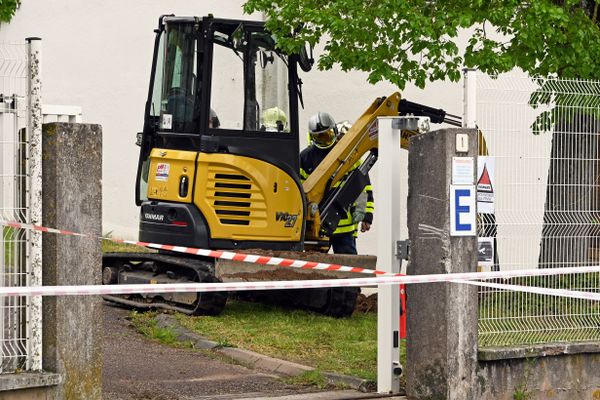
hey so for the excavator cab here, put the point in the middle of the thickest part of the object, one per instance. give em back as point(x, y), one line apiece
point(218, 164)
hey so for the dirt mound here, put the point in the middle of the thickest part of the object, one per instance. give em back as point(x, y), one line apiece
point(366, 304)
point(277, 275)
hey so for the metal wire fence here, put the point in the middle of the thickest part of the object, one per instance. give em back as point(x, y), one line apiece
point(14, 265)
point(542, 203)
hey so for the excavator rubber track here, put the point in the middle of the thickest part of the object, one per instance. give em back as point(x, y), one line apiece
point(337, 302)
point(144, 268)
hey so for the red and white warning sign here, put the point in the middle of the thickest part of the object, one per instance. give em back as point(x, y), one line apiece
point(485, 184)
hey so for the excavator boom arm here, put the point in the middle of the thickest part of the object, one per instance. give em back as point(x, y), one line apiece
point(361, 138)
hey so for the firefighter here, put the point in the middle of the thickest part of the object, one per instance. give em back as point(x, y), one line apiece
point(323, 134)
point(274, 120)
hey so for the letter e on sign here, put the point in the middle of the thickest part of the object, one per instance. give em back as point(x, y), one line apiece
point(463, 215)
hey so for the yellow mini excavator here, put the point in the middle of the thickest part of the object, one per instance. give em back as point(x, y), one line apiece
point(215, 173)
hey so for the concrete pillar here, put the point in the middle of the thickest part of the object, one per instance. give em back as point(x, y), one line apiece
point(34, 207)
point(72, 200)
point(441, 317)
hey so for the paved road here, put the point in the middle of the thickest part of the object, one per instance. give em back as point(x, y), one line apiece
point(136, 368)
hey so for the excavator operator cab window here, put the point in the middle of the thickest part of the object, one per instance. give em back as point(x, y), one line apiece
point(249, 85)
point(174, 96)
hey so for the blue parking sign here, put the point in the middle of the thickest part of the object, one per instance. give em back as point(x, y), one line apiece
point(463, 214)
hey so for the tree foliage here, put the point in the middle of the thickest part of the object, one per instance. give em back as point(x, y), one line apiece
point(8, 9)
point(417, 40)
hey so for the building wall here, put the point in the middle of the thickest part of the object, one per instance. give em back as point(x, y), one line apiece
point(97, 54)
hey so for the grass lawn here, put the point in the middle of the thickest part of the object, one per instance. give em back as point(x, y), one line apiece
point(7, 243)
point(346, 346)
point(515, 318)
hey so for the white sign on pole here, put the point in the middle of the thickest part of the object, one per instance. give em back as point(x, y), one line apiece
point(463, 170)
point(485, 184)
point(463, 214)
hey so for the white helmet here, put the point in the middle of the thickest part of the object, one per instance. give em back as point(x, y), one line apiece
point(274, 119)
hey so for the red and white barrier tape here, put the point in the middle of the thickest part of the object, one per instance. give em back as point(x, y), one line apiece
point(467, 277)
point(384, 278)
point(575, 294)
point(187, 287)
point(226, 255)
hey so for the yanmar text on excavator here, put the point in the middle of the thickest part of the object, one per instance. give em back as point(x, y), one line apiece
point(216, 172)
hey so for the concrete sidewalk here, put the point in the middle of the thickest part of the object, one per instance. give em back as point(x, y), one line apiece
point(136, 368)
point(330, 395)
point(334, 395)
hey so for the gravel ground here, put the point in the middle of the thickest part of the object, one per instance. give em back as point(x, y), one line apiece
point(136, 368)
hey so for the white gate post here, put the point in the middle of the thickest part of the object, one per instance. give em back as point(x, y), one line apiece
point(3, 130)
point(470, 98)
point(388, 232)
point(34, 126)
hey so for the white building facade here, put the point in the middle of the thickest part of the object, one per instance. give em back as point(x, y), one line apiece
point(97, 55)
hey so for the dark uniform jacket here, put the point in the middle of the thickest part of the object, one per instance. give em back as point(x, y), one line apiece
point(310, 158)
